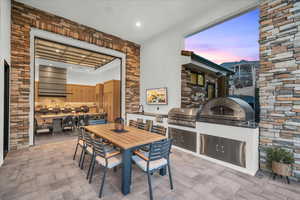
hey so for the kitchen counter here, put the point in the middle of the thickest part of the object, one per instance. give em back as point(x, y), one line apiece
point(227, 138)
point(158, 119)
point(149, 114)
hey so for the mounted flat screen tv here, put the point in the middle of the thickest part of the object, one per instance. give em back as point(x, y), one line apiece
point(157, 96)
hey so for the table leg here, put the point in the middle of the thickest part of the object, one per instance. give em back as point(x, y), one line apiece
point(163, 171)
point(126, 171)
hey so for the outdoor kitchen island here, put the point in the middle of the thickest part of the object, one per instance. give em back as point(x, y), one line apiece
point(228, 142)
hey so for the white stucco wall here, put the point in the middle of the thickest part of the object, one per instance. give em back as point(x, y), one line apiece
point(77, 74)
point(5, 8)
point(160, 56)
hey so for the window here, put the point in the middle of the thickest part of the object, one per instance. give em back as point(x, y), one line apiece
point(197, 78)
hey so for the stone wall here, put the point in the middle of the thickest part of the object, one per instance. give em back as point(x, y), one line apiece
point(193, 96)
point(23, 19)
point(279, 78)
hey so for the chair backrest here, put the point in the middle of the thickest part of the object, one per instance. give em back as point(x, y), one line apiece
point(81, 120)
point(80, 133)
point(87, 138)
point(143, 126)
point(133, 123)
point(57, 125)
point(94, 117)
point(98, 148)
point(35, 123)
point(160, 149)
point(68, 121)
point(86, 119)
point(150, 123)
point(159, 130)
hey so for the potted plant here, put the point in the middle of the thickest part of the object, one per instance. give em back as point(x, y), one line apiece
point(280, 161)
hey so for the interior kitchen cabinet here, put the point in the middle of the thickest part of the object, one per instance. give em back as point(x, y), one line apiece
point(111, 99)
point(99, 96)
point(80, 93)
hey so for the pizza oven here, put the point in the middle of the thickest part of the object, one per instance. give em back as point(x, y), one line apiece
point(228, 111)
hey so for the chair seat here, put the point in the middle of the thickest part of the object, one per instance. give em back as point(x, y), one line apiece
point(89, 150)
point(80, 142)
point(109, 148)
point(112, 162)
point(43, 130)
point(152, 165)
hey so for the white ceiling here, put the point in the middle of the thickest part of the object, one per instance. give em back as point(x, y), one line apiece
point(118, 17)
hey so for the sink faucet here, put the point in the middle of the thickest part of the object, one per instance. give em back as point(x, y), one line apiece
point(141, 106)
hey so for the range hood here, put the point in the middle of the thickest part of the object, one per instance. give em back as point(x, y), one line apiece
point(52, 81)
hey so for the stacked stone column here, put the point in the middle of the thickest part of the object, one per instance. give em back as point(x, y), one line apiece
point(279, 77)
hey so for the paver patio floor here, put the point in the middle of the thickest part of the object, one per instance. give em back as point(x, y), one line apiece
point(47, 172)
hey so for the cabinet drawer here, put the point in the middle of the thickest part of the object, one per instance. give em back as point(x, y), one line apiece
point(184, 139)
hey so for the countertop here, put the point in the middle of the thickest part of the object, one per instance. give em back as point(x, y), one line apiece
point(149, 114)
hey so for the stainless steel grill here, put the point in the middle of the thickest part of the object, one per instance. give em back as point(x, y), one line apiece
point(229, 111)
point(183, 117)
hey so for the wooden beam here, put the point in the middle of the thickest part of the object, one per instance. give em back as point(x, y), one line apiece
point(65, 58)
point(69, 54)
point(74, 56)
point(77, 51)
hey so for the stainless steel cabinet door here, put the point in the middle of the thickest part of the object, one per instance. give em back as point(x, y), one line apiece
point(184, 139)
point(228, 150)
point(211, 146)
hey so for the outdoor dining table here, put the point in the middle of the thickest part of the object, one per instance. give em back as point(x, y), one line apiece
point(128, 141)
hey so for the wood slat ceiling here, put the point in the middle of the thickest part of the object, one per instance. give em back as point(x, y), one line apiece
point(68, 54)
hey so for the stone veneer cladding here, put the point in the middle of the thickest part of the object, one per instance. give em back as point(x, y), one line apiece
point(279, 78)
point(23, 19)
point(193, 96)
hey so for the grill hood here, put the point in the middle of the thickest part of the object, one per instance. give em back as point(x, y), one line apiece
point(183, 116)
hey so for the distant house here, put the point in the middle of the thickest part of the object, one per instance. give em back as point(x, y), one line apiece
point(243, 81)
point(202, 80)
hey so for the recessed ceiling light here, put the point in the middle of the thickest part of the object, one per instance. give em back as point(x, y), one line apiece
point(57, 50)
point(83, 56)
point(138, 24)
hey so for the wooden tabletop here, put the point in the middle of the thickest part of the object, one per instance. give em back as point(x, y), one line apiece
point(62, 115)
point(132, 138)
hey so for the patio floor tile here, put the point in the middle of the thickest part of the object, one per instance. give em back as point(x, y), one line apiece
point(48, 172)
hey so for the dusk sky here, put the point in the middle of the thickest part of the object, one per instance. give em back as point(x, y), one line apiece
point(233, 40)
